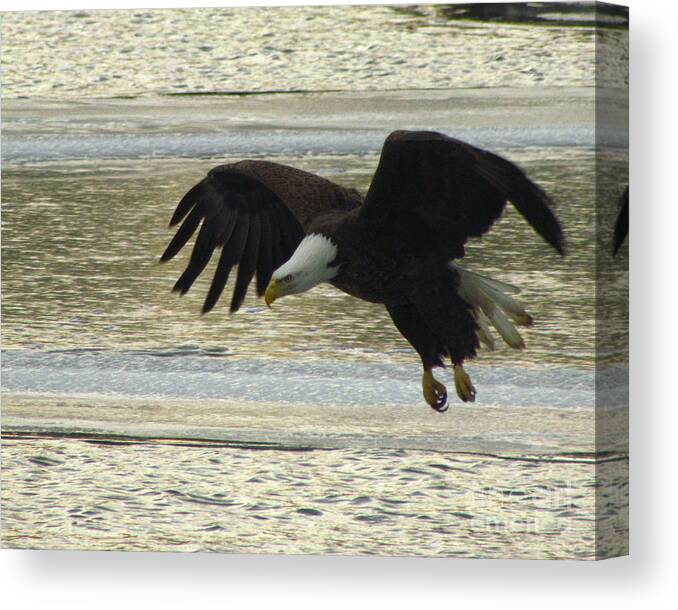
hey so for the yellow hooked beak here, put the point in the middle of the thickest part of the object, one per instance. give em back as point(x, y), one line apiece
point(273, 291)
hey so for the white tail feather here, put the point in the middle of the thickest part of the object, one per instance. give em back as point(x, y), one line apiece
point(508, 332)
point(492, 305)
point(498, 285)
point(484, 334)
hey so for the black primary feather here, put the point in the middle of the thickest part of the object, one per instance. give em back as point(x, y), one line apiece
point(231, 254)
point(247, 263)
point(458, 189)
point(265, 266)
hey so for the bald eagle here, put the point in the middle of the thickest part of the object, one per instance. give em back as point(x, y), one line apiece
point(396, 246)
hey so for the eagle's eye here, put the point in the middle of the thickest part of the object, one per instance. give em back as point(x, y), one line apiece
point(287, 278)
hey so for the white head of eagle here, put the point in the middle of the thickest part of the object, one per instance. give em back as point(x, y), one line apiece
point(310, 265)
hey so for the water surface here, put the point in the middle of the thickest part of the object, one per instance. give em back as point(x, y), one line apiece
point(69, 54)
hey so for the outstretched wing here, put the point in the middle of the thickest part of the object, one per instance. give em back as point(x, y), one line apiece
point(441, 191)
point(257, 212)
point(621, 226)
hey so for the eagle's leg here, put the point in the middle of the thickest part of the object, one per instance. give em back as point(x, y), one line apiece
point(435, 393)
point(414, 328)
point(462, 382)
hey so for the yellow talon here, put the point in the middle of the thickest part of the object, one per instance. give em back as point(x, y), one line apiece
point(435, 393)
point(462, 382)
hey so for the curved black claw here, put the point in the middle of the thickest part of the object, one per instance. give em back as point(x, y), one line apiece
point(440, 403)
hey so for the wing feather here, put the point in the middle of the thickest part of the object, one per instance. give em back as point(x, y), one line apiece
point(446, 191)
point(205, 245)
point(265, 263)
point(184, 233)
point(528, 198)
point(248, 263)
point(230, 256)
point(186, 204)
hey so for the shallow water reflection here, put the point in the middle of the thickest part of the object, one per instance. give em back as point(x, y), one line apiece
point(108, 53)
point(182, 498)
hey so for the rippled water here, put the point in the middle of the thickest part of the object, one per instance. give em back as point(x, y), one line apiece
point(79, 273)
point(394, 502)
point(131, 422)
point(108, 53)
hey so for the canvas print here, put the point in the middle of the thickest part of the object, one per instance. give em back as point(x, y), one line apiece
point(317, 280)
